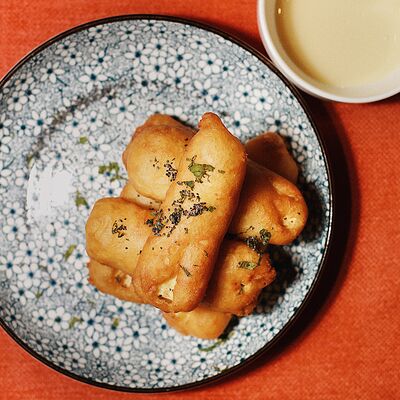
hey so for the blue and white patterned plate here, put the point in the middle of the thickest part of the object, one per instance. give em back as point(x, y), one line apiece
point(67, 112)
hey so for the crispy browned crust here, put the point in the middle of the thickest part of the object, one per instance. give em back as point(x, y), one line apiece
point(111, 281)
point(270, 202)
point(188, 252)
point(164, 119)
point(227, 278)
point(202, 322)
point(120, 249)
point(131, 194)
point(231, 289)
point(154, 150)
point(270, 151)
point(234, 288)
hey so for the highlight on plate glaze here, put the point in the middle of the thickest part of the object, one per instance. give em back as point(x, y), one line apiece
point(66, 115)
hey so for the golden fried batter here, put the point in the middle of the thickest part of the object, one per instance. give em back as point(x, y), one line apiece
point(111, 281)
point(180, 241)
point(164, 119)
point(131, 194)
point(116, 233)
point(269, 202)
point(192, 220)
point(153, 155)
point(270, 151)
point(201, 322)
point(238, 278)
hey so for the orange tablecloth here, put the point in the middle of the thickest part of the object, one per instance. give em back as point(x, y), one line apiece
point(346, 345)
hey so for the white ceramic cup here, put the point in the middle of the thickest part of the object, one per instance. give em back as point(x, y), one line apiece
point(387, 87)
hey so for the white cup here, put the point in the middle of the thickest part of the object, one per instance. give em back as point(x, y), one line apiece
point(266, 17)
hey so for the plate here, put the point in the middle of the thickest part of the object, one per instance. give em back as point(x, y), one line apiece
point(67, 112)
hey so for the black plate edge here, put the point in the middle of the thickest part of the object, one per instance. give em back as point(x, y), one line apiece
point(332, 196)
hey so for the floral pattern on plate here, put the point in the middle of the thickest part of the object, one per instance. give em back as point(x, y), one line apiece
point(66, 115)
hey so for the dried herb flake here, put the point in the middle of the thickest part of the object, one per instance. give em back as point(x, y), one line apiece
point(170, 170)
point(69, 251)
point(189, 184)
point(259, 243)
point(73, 321)
point(112, 170)
point(247, 265)
point(80, 200)
point(38, 294)
point(115, 323)
point(200, 171)
point(118, 228)
point(185, 270)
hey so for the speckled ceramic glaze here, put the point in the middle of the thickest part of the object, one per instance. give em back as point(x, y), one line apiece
point(66, 115)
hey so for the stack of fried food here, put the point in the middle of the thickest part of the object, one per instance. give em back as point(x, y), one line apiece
point(190, 230)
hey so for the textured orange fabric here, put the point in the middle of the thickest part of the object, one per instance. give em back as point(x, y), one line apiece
point(346, 344)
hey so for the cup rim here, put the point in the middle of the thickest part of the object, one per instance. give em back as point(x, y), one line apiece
point(290, 74)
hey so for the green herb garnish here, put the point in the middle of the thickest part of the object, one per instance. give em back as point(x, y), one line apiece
point(213, 346)
point(265, 236)
point(189, 184)
point(112, 170)
point(186, 195)
point(69, 251)
point(30, 158)
point(73, 321)
point(226, 334)
point(247, 264)
point(158, 223)
point(200, 171)
point(158, 227)
point(259, 243)
point(83, 140)
point(150, 222)
point(198, 209)
point(223, 338)
point(38, 294)
point(115, 323)
point(80, 200)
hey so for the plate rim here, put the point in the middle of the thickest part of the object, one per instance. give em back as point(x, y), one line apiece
point(328, 165)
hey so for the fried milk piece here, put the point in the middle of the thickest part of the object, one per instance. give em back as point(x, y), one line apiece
point(112, 281)
point(116, 231)
point(178, 259)
point(268, 201)
point(202, 322)
point(153, 155)
point(270, 151)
